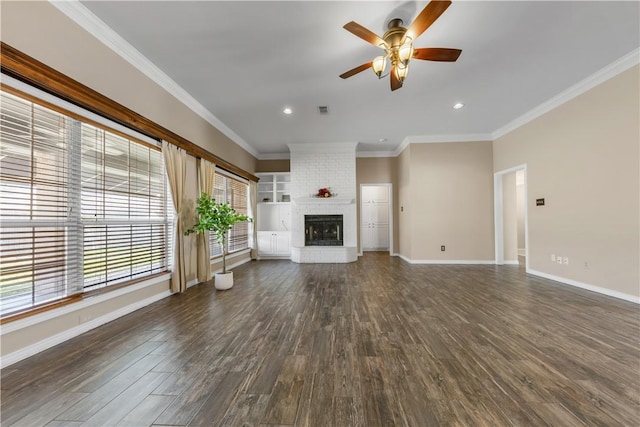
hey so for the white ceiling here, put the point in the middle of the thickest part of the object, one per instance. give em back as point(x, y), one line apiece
point(245, 61)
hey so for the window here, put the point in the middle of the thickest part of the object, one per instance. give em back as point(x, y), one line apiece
point(80, 207)
point(235, 192)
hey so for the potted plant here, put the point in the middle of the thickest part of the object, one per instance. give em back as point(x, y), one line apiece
point(218, 218)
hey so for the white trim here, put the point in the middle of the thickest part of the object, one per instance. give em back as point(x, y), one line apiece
point(104, 33)
point(389, 187)
point(436, 139)
point(329, 147)
point(99, 29)
point(87, 302)
point(375, 154)
point(511, 262)
point(498, 219)
point(600, 76)
point(323, 201)
point(446, 261)
point(604, 291)
point(191, 283)
point(400, 148)
point(61, 337)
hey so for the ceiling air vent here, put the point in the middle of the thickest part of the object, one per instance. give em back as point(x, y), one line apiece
point(323, 109)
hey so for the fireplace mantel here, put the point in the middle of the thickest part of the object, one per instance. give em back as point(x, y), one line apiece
point(323, 201)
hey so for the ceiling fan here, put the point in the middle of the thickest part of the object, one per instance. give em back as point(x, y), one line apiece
point(397, 43)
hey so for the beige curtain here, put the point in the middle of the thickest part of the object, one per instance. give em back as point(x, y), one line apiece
point(253, 213)
point(206, 177)
point(175, 161)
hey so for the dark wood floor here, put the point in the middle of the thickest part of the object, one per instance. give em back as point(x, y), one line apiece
point(377, 342)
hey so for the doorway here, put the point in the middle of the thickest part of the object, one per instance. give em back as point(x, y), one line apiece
point(510, 216)
point(376, 217)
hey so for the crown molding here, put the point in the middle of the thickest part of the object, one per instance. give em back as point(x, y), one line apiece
point(435, 139)
point(600, 76)
point(105, 34)
point(329, 147)
point(400, 148)
point(372, 154)
point(99, 29)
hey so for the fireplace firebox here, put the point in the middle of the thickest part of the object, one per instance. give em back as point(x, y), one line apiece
point(323, 230)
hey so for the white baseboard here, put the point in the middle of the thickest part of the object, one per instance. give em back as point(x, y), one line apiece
point(592, 288)
point(190, 283)
point(446, 261)
point(56, 339)
point(511, 262)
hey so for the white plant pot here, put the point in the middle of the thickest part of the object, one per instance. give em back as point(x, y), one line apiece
point(224, 281)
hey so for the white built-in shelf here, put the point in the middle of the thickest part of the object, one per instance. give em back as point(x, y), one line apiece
point(274, 187)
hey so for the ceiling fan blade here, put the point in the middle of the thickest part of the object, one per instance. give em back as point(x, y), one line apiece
point(427, 17)
point(395, 81)
point(437, 54)
point(354, 71)
point(365, 34)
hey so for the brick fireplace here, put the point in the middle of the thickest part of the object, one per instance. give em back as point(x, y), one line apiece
point(315, 166)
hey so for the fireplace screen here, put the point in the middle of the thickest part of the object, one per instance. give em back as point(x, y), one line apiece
point(323, 230)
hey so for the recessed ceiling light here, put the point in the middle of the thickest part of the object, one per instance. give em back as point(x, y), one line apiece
point(458, 106)
point(287, 110)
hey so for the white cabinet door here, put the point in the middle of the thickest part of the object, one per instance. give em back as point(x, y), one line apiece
point(274, 243)
point(375, 194)
point(282, 243)
point(374, 217)
point(265, 242)
point(284, 217)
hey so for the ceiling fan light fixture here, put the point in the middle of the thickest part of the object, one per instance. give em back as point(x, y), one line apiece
point(405, 52)
point(397, 42)
point(402, 71)
point(378, 65)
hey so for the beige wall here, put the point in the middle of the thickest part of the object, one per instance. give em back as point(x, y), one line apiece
point(583, 158)
point(451, 201)
point(404, 212)
point(41, 31)
point(510, 217)
point(280, 165)
point(38, 29)
point(73, 316)
point(379, 170)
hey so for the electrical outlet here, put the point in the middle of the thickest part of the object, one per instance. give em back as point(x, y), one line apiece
point(565, 260)
point(559, 259)
point(442, 248)
point(553, 257)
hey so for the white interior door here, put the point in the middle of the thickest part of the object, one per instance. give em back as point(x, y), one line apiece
point(374, 218)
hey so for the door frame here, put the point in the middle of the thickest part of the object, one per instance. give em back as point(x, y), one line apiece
point(390, 191)
point(498, 217)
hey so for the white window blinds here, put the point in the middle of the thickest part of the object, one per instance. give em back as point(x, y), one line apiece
point(80, 207)
point(234, 192)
